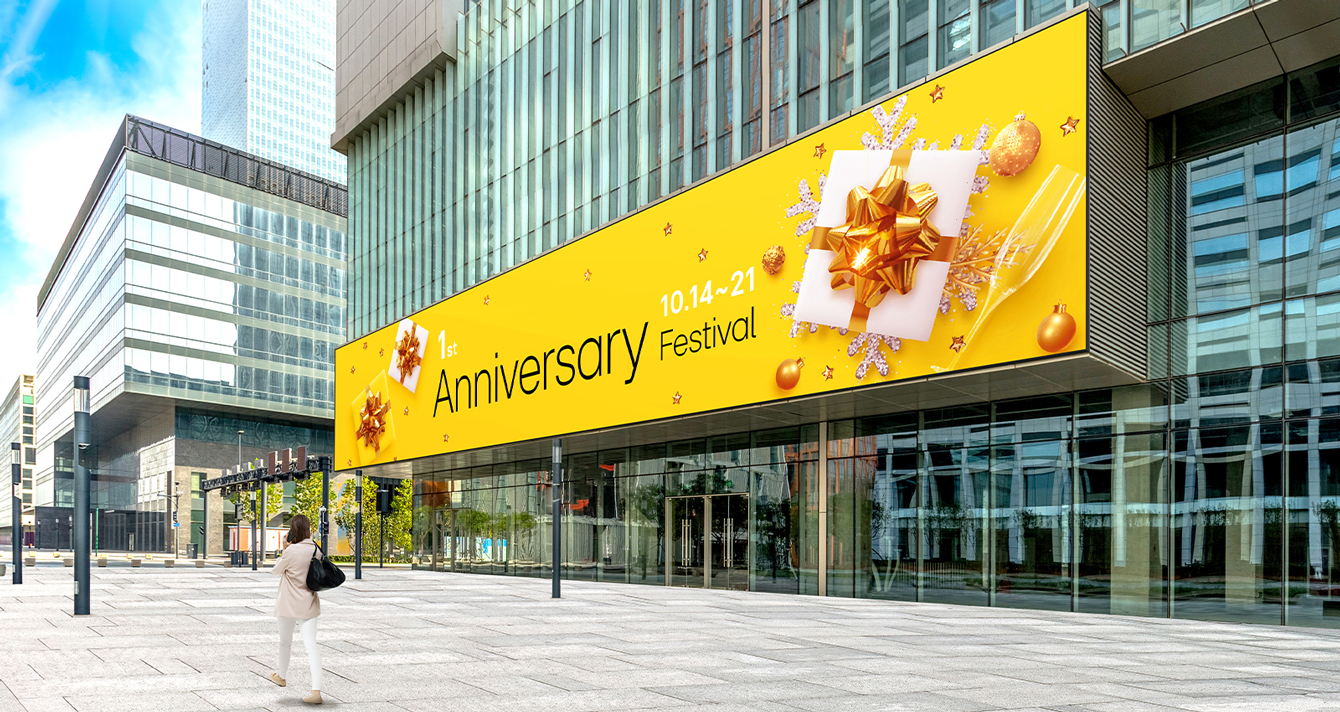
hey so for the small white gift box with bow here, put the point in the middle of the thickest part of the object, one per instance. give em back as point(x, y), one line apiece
point(409, 380)
point(911, 315)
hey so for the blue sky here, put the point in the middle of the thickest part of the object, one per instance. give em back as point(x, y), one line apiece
point(69, 70)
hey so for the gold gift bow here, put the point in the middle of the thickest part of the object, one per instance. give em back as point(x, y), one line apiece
point(407, 354)
point(886, 235)
point(372, 420)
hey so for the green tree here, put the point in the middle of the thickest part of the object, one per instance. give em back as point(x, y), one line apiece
point(401, 519)
point(345, 511)
point(274, 502)
point(307, 498)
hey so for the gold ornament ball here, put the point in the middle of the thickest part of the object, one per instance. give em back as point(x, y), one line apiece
point(1056, 330)
point(1015, 148)
point(788, 374)
point(773, 259)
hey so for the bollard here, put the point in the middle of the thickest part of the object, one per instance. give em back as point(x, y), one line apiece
point(69, 563)
point(135, 563)
point(169, 563)
point(102, 562)
point(30, 561)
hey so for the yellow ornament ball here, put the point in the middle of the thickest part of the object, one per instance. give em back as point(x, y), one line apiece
point(1015, 148)
point(1057, 330)
point(773, 259)
point(788, 373)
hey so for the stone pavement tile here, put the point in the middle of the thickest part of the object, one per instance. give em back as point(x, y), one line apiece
point(46, 704)
point(780, 690)
point(1116, 706)
point(645, 678)
point(1208, 687)
point(584, 701)
point(1020, 693)
point(139, 702)
point(1301, 684)
point(1270, 703)
point(910, 702)
point(884, 685)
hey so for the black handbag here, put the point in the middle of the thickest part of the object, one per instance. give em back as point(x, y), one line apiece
point(323, 575)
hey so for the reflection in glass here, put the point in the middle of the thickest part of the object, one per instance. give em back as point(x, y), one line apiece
point(1031, 503)
point(1313, 471)
point(1226, 534)
point(1122, 510)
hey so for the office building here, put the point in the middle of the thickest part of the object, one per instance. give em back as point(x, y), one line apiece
point(17, 414)
point(1121, 401)
point(202, 291)
point(268, 85)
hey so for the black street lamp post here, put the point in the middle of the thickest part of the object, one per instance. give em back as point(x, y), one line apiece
point(81, 496)
point(16, 526)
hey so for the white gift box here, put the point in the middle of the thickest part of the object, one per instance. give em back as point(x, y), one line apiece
point(907, 316)
point(411, 379)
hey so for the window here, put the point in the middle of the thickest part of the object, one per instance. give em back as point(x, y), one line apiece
point(913, 48)
point(954, 35)
point(995, 22)
point(877, 45)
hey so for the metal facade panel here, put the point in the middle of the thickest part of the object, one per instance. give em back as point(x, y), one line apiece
point(1116, 219)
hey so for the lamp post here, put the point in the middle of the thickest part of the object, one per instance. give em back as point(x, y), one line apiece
point(358, 524)
point(557, 487)
point(81, 492)
point(16, 527)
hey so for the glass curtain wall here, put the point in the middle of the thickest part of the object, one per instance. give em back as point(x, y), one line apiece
point(560, 117)
point(1245, 279)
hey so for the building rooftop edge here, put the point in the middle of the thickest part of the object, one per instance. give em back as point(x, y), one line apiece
point(334, 199)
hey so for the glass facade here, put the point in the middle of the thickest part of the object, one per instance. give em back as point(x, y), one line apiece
point(560, 116)
point(202, 291)
point(269, 81)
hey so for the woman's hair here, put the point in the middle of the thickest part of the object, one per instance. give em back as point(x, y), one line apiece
point(299, 528)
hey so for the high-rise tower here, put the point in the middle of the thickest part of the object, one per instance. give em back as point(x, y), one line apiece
point(268, 84)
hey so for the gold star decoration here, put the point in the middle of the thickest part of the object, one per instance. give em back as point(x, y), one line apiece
point(372, 420)
point(675, 398)
point(957, 344)
point(1069, 126)
point(486, 300)
point(828, 373)
point(819, 151)
point(800, 363)
point(407, 354)
point(667, 229)
point(365, 346)
point(351, 369)
point(445, 437)
point(702, 255)
point(350, 463)
point(406, 410)
point(587, 275)
point(381, 352)
point(937, 93)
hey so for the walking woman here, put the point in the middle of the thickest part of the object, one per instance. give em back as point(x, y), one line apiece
point(297, 606)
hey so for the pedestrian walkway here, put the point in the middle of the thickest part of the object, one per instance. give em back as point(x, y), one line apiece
point(178, 640)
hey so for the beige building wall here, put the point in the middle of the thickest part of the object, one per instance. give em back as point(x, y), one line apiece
point(382, 47)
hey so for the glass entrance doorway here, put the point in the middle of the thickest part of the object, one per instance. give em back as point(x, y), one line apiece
point(444, 540)
point(708, 541)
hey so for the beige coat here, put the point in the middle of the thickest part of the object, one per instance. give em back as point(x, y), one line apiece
point(295, 599)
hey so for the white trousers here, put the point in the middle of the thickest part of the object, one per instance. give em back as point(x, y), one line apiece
point(286, 626)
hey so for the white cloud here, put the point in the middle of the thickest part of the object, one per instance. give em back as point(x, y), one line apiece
point(53, 144)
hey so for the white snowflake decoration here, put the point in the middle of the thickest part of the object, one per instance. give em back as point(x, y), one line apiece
point(874, 354)
point(809, 203)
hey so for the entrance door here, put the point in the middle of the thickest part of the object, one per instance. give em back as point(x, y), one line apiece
point(729, 542)
point(443, 540)
point(687, 517)
point(709, 541)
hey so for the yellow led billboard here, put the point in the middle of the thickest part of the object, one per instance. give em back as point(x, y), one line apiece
point(941, 230)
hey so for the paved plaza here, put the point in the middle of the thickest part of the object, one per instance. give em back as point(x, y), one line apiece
point(178, 640)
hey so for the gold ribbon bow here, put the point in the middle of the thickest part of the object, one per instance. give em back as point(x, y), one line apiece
point(372, 420)
point(407, 354)
point(886, 234)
